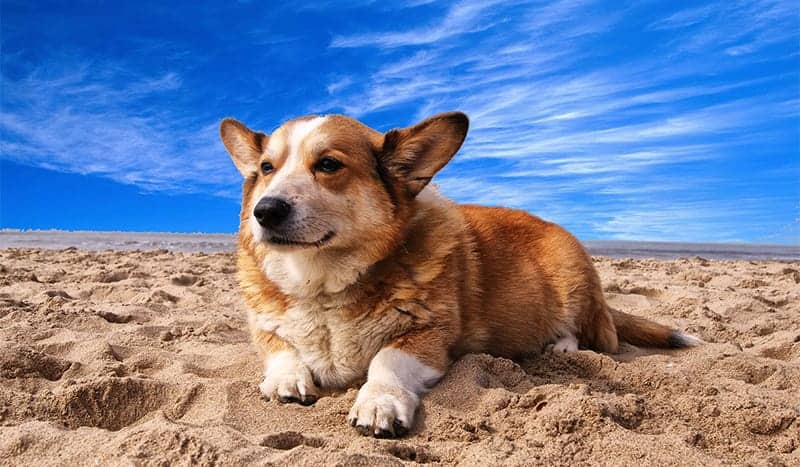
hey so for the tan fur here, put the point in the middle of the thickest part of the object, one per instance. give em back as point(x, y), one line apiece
point(407, 269)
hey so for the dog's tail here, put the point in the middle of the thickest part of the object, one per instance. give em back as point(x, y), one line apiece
point(645, 333)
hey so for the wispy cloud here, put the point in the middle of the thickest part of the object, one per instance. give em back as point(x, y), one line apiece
point(91, 118)
point(738, 27)
point(463, 17)
point(556, 118)
point(686, 221)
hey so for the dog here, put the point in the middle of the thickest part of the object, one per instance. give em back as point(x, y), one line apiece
point(356, 270)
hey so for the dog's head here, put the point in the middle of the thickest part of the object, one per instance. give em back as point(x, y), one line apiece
point(332, 182)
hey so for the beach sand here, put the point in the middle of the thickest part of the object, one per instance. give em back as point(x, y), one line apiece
point(143, 358)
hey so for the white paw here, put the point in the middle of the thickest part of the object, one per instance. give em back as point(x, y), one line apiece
point(566, 344)
point(287, 379)
point(383, 410)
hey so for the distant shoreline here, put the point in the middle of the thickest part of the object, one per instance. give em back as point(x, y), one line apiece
point(213, 243)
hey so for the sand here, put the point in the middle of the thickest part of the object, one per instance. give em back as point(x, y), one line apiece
point(142, 358)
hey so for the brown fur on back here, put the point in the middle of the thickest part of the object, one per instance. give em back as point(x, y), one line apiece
point(542, 284)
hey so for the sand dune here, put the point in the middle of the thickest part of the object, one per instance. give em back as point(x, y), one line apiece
point(143, 358)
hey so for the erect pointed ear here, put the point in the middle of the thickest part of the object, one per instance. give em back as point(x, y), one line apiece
point(243, 144)
point(416, 153)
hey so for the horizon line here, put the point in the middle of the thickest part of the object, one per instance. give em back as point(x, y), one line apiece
point(4, 230)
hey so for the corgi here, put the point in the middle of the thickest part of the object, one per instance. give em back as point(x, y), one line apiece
point(355, 270)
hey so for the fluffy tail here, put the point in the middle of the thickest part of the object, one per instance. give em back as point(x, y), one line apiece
point(645, 333)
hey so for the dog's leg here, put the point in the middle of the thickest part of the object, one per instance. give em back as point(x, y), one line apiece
point(398, 376)
point(286, 377)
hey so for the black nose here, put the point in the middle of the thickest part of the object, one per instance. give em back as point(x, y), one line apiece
point(271, 212)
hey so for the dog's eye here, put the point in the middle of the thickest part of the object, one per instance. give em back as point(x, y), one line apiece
point(266, 168)
point(328, 165)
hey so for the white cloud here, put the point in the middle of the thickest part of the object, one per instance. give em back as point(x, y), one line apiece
point(463, 17)
point(545, 126)
point(90, 118)
point(339, 84)
point(735, 27)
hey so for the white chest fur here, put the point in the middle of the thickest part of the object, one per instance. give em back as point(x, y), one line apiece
point(334, 343)
point(306, 274)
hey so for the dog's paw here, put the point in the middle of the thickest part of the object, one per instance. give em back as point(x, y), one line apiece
point(383, 411)
point(287, 379)
point(566, 344)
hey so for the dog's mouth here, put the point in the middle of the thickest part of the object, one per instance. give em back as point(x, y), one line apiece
point(278, 240)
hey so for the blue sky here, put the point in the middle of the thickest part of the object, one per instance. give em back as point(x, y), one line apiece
point(642, 120)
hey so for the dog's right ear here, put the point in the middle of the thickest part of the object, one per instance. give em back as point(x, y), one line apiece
point(243, 144)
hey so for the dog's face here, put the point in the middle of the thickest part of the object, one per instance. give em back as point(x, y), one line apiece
point(332, 182)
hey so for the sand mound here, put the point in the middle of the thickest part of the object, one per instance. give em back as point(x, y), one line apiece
point(143, 357)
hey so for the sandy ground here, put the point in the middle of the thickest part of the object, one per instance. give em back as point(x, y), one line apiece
point(143, 358)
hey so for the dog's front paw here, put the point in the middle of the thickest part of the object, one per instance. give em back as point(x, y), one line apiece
point(383, 411)
point(287, 379)
point(565, 344)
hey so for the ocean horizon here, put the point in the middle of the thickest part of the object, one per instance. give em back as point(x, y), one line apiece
point(224, 242)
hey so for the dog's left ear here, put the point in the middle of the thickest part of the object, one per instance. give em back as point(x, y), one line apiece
point(243, 144)
point(416, 153)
